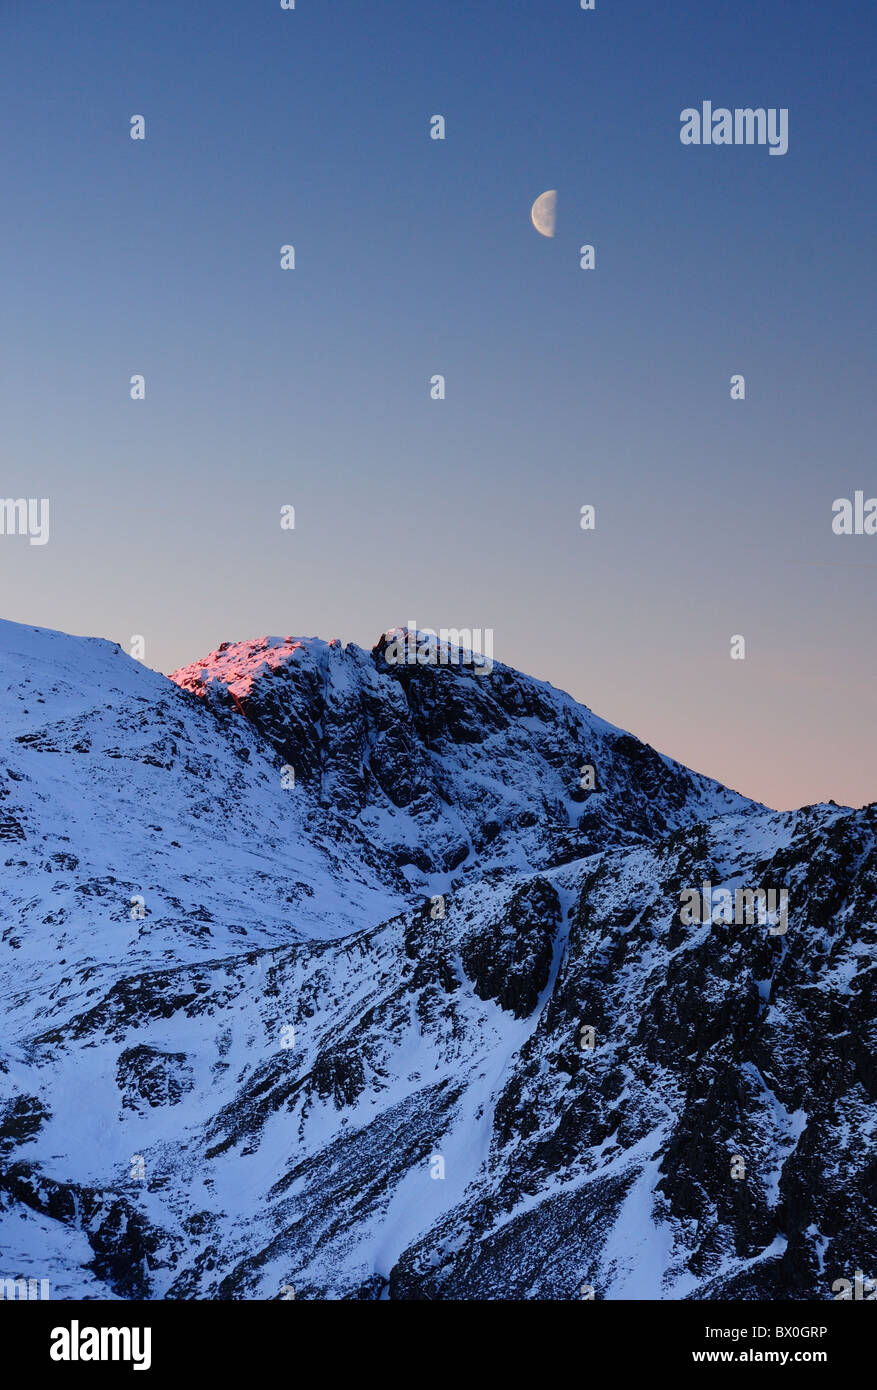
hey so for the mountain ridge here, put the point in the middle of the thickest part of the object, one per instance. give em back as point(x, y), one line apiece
point(339, 1023)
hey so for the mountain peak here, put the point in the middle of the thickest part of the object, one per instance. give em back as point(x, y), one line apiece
point(236, 665)
point(303, 928)
point(446, 760)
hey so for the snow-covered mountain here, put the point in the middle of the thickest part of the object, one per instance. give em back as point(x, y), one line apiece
point(299, 954)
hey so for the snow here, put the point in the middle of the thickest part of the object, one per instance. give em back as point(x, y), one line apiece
point(266, 908)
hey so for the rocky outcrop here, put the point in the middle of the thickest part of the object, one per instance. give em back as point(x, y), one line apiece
point(426, 1020)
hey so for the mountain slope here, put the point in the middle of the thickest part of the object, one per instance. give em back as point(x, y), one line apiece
point(443, 768)
point(341, 1048)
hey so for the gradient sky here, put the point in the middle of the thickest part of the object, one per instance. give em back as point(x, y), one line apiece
point(414, 257)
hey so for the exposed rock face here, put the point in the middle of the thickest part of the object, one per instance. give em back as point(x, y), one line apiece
point(509, 959)
point(427, 1024)
point(440, 764)
point(727, 1042)
point(146, 1075)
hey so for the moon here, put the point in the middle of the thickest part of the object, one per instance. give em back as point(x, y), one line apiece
point(543, 213)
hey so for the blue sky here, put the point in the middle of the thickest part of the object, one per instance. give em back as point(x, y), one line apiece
point(414, 257)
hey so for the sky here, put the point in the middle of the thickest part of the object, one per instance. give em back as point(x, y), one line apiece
point(564, 387)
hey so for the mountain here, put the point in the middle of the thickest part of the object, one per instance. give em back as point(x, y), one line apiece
point(326, 973)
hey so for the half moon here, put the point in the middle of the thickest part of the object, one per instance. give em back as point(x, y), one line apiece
point(543, 213)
